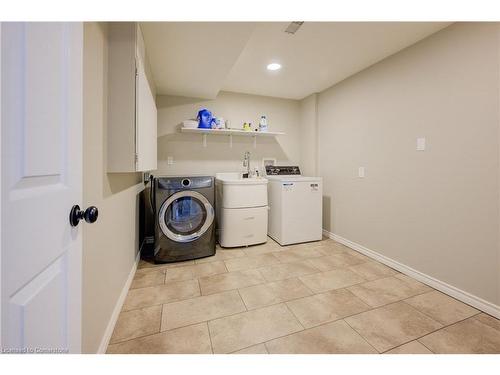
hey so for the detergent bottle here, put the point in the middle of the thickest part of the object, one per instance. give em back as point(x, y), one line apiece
point(205, 119)
point(263, 124)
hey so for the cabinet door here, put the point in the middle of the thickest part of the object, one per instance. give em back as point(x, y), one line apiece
point(146, 132)
point(121, 147)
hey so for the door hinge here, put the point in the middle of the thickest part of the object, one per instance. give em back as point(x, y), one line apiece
point(136, 158)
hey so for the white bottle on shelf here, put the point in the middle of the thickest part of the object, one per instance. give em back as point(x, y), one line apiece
point(263, 124)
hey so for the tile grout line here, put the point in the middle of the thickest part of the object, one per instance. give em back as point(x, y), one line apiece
point(141, 336)
point(307, 287)
point(376, 278)
point(448, 325)
point(293, 333)
point(378, 307)
point(163, 267)
point(425, 346)
point(208, 320)
point(360, 335)
point(483, 323)
point(327, 290)
point(263, 342)
point(265, 346)
point(242, 300)
point(363, 302)
point(295, 316)
point(210, 337)
point(134, 338)
point(400, 345)
point(427, 315)
point(422, 312)
point(158, 333)
point(429, 333)
point(255, 267)
point(385, 304)
point(199, 287)
point(161, 317)
point(246, 347)
point(282, 301)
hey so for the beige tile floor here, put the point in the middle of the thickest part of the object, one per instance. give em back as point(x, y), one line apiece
point(319, 297)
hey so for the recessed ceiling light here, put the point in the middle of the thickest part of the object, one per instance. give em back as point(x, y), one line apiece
point(274, 66)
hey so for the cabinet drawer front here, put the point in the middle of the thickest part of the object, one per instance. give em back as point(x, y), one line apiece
point(243, 196)
point(242, 227)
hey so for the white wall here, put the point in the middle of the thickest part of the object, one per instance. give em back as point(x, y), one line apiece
point(309, 137)
point(435, 211)
point(110, 245)
point(190, 157)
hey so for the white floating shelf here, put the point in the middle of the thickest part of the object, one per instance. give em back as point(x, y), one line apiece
point(230, 132)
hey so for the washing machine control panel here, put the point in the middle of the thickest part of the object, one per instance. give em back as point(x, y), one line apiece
point(272, 170)
point(187, 183)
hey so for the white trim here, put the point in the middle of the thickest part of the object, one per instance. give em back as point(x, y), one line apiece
point(1, 301)
point(470, 299)
point(118, 308)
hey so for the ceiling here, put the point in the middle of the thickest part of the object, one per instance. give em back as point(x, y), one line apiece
point(193, 58)
point(200, 59)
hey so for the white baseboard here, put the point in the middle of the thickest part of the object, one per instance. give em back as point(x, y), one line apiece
point(470, 299)
point(118, 308)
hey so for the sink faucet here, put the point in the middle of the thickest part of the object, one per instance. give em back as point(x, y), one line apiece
point(246, 163)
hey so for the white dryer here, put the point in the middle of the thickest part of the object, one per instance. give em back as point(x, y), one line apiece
point(295, 205)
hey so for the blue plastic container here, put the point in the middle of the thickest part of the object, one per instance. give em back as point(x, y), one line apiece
point(205, 119)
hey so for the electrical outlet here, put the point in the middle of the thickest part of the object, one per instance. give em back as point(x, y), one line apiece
point(361, 172)
point(420, 144)
point(170, 160)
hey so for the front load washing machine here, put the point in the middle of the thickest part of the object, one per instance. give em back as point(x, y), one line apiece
point(185, 225)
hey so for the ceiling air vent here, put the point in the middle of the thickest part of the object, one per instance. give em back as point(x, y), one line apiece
point(293, 27)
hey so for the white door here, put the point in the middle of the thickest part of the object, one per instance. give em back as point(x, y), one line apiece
point(41, 167)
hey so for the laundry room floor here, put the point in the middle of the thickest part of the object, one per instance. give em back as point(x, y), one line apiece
point(319, 297)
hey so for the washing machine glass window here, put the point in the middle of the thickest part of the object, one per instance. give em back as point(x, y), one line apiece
point(185, 216)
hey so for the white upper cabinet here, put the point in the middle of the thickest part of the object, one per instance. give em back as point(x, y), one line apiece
point(146, 118)
point(132, 117)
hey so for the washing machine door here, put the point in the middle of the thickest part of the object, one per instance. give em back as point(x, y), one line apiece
point(185, 216)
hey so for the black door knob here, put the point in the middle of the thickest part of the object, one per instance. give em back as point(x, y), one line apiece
point(89, 215)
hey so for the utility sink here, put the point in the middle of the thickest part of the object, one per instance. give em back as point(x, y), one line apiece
point(234, 191)
point(241, 206)
point(236, 178)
